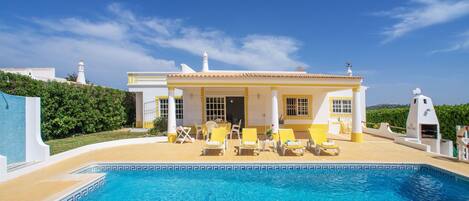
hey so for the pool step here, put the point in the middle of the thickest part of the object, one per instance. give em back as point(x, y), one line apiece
point(16, 166)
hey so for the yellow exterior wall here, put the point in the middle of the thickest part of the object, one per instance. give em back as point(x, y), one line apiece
point(130, 79)
point(148, 124)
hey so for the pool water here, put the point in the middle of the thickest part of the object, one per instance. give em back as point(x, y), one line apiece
point(279, 182)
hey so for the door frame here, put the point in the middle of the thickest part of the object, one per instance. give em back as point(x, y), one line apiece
point(204, 106)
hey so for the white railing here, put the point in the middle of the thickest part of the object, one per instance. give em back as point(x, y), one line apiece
point(462, 141)
point(149, 111)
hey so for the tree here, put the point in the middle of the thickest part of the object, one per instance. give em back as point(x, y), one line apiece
point(72, 77)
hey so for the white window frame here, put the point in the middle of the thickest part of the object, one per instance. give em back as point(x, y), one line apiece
point(163, 107)
point(342, 106)
point(215, 110)
point(299, 106)
point(179, 108)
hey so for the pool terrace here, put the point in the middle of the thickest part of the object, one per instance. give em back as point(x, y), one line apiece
point(53, 181)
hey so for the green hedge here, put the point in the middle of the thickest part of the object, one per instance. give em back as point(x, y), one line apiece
point(449, 117)
point(69, 109)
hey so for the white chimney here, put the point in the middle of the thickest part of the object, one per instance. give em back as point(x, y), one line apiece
point(349, 69)
point(186, 69)
point(81, 72)
point(205, 63)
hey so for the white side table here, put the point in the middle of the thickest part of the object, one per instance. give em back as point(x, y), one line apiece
point(265, 145)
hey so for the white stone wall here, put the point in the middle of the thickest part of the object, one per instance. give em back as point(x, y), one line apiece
point(44, 73)
point(3, 168)
point(192, 106)
point(36, 149)
point(318, 111)
point(259, 106)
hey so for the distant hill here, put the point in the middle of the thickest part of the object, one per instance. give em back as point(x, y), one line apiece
point(386, 106)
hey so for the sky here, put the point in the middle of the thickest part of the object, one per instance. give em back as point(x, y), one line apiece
point(395, 45)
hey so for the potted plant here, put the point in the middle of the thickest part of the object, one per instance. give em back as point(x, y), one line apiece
point(268, 133)
point(281, 121)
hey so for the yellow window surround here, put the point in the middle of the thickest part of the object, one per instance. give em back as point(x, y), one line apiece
point(157, 102)
point(131, 79)
point(331, 103)
point(298, 117)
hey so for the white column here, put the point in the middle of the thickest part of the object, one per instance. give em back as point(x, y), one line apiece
point(357, 135)
point(171, 113)
point(274, 111)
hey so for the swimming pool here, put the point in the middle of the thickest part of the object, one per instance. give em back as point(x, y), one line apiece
point(273, 182)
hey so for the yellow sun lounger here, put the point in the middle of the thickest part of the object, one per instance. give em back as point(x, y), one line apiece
point(249, 141)
point(289, 142)
point(217, 141)
point(318, 141)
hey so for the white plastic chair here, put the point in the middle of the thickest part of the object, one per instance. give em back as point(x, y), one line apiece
point(210, 125)
point(183, 134)
point(198, 131)
point(235, 129)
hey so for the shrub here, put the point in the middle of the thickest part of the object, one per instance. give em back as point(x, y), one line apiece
point(160, 126)
point(68, 109)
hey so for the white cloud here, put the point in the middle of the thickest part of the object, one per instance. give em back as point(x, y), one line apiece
point(102, 30)
point(260, 52)
point(463, 44)
point(106, 61)
point(425, 14)
point(123, 41)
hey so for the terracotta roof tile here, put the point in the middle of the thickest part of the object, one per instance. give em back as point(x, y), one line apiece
point(254, 75)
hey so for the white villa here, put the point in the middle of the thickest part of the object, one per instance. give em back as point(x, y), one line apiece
point(260, 99)
point(46, 74)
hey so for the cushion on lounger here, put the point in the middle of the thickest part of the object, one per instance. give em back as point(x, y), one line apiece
point(291, 143)
point(328, 143)
point(213, 143)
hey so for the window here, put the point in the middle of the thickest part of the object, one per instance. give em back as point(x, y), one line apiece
point(297, 106)
point(164, 108)
point(342, 106)
point(179, 108)
point(424, 101)
point(215, 108)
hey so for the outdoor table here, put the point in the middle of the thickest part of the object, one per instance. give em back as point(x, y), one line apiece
point(265, 145)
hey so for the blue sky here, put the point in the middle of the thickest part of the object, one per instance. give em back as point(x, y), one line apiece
point(395, 45)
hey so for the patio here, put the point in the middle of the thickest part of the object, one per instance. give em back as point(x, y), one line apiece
point(52, 181)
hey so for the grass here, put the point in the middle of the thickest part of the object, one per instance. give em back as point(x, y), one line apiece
point(65, 144)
